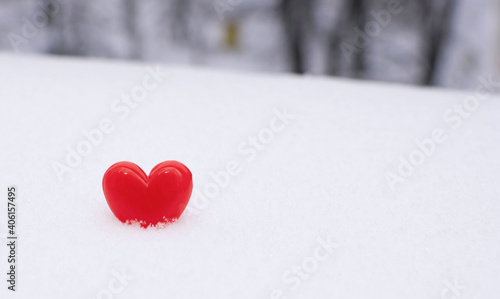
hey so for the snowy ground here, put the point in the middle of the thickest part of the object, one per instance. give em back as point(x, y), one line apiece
point(325, 148)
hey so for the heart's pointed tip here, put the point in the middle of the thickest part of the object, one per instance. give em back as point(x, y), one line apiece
point(151, 225)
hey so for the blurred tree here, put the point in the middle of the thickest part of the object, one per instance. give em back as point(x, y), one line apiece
point(352, 19)
point(335, 38)
point(413, 46)
point(296, 16)
point(356, 13)
point(180, 16)
point(437, 21)
point(130, 7)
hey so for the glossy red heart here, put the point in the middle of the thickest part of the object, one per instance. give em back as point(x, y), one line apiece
point(158, 198)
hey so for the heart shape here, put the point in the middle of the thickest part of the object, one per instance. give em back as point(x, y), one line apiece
point(160, 197)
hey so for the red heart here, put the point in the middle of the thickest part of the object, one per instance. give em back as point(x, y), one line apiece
point(159, 198)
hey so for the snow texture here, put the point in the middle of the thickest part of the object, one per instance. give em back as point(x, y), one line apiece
point(322, 177)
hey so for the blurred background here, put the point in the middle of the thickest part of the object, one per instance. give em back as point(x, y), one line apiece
point(423, 42)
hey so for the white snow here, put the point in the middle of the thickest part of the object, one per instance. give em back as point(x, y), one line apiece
point(321, 177)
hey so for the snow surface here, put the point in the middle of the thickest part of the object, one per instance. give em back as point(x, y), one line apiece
point(321, 177)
